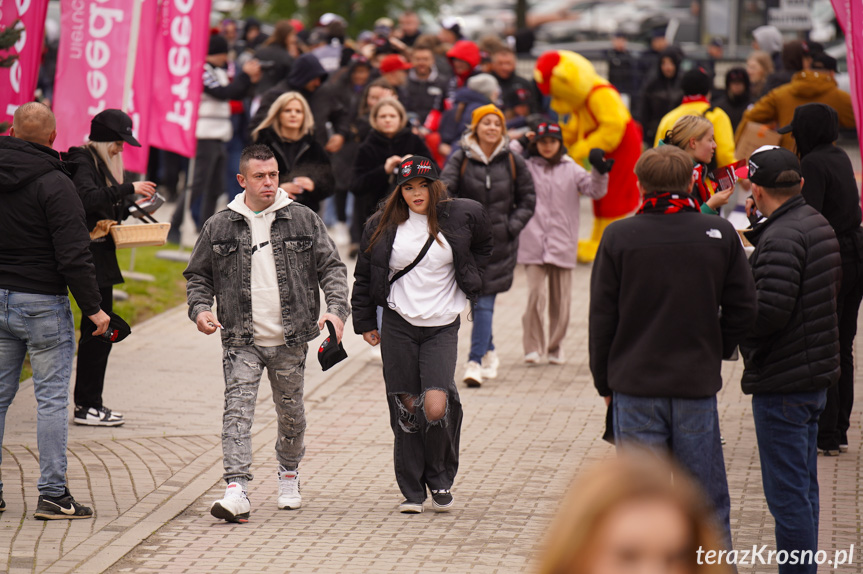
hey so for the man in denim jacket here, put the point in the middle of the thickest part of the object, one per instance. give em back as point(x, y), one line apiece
point(263, 259)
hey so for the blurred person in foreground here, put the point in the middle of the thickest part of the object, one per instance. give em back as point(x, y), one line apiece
point(44, 249)
point(791, 354)
point(264, 259)
point(656, 341)
point(627, 515)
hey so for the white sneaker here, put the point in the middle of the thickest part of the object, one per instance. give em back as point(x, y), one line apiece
point(490, 363)
point(532, 358)
point(289, 489)
point(473, 374)
point(558, 359)
point(234, 507)
point(340, 234)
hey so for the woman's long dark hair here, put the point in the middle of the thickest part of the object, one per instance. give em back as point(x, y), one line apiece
point(396, 211)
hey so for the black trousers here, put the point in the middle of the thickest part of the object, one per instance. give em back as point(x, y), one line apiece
point(416, 360)
point(92, 358)
point(836, 419)
point(208, 184)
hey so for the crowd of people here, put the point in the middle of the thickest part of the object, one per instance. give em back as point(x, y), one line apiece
point(444, 170)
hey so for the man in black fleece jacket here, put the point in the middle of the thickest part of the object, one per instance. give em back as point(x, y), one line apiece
point(671, 295)
point(792, 352)
point(44, 247)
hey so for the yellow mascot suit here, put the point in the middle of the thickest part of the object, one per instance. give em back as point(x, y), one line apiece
point(597, 117)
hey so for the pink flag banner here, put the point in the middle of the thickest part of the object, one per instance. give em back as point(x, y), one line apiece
point(18, 82)
point(179, 50)
point(849, 14)
point(91, 65)
point(138, 103)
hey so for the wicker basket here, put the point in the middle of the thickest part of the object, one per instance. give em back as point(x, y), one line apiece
point(140, 235)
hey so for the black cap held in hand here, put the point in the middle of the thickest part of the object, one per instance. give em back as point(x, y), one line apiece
point(118, 330)
point(331, 350)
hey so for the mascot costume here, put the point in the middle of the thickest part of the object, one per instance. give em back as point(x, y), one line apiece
point(593, 116)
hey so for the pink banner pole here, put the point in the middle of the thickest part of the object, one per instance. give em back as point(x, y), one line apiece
point(18, 82)
point(140, 85)
point(180, 48)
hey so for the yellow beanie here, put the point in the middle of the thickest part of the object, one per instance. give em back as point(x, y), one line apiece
point(483, 111)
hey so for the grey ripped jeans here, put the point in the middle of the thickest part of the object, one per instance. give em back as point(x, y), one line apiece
point(243, 367)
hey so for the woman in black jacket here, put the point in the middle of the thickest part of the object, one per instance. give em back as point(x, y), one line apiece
point(305, 171)
point(98, 176)
point(422, 258)
point(486, 170)
point(830, 187)
point(389, 142)
point(661, 94)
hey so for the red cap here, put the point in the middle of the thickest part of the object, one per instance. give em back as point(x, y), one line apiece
point(394, 62)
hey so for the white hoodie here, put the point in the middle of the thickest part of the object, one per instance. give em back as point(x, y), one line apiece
point(266, 303)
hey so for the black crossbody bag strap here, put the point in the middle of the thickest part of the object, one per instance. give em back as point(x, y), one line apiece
point(414, 263)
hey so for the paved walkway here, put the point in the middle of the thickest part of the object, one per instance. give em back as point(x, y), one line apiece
point(525, 436)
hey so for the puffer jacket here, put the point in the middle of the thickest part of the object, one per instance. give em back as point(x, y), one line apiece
point(806, 87)
point(508, 197)
point(659, 95)
point(466, 227)
point(794, 344)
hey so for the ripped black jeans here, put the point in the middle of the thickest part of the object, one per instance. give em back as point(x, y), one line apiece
point(425, 410)
point(243, 368)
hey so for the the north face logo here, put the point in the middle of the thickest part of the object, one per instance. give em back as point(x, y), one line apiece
point(714, 233)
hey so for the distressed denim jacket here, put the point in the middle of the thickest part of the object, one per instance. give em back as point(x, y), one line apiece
point(306, 258)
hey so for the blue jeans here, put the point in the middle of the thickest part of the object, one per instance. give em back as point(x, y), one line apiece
point(688, 429)
point(786, 427)
point(480, 337)
point(41, 325)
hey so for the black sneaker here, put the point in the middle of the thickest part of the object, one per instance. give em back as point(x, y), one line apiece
point(408, 507)
point(441, 500)
point(61, 508)
point(102, 417)
point(2, 502)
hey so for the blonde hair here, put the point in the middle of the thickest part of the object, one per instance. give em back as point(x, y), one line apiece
point(115, 163)
point(393, 103)
point(635, 476)
point(272, 119)
point(763, 59)
point(687, 128)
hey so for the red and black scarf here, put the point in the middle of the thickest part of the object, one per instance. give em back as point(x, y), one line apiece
point(667, 202)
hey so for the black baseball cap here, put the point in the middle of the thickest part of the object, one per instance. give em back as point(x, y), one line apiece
point(331, 350)
point(548, 130)
point(767, 162)
point(417, 166)
point(112, 126)
point(118, 329)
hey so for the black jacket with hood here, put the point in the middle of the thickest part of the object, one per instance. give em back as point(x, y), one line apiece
point(794, 345)
point(44, 243)
point(324, 109)
point(660, 95)
point(829, 185)
point(466, 227)
point(305, 157)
